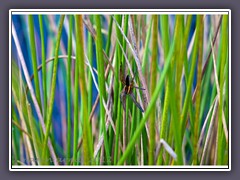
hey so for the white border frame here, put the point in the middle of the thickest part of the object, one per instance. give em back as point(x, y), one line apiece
point(117, 11)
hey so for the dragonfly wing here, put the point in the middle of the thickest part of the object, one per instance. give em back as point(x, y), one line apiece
point(135, 102)
point(123, 99)
point(139, 88)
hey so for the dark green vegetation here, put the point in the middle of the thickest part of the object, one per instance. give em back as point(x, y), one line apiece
point(69, 111)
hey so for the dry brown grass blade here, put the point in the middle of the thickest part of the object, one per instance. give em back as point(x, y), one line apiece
point(137, 60)
point(209, 132)
point(95, 106)
point(91, 29)
point(138, 94)
point(21, 129)
point(218, 93)
point(27, 77)
point(167, 147)
point(136, 57)
point(205, 123)
point(26, 139)
point(209, 55)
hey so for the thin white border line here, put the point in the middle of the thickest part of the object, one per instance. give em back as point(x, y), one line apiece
point(119, 11)
point(147, 170)
point(122, 10)
point(229, 88)
point(124, 168)
point(10, 95)
point(120, 167)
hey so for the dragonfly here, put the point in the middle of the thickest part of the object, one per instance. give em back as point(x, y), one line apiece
point(128, 89)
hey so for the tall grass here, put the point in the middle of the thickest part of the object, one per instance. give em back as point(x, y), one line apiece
point(181, 62)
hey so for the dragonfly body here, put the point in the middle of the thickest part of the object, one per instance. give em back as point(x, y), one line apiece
point(128, 90)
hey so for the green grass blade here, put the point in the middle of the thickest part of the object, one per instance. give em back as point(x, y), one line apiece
point(148, 110)
point(87, 133)
point(153, 87)
point(224, 34)
point(101, 80)
point(34, 57)
point(69, 89)
point(146, 49)
point(44, 83)
point(75, 125)
point(198, 92)
point(188, 96)
point(53, 87)
point(165, 41)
